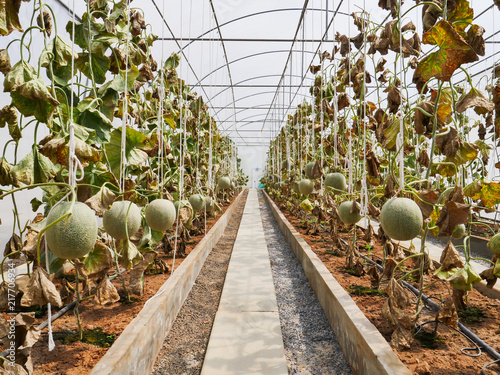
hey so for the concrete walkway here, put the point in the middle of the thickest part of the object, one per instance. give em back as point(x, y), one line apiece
point(246, 336)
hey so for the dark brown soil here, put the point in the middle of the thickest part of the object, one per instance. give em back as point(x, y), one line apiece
point(184, 349)
point(446, 358)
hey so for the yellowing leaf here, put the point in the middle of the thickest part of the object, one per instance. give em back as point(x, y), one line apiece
point(489, 193)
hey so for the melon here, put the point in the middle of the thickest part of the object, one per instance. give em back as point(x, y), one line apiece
point(209, 204)
point(309, 169)
point(295, 187)
point(74, 237)
point(494, 244)
point(160, 214)
point(336, 182)
point(306, 186)
point(459, 231)
point(224, 183)
point(197, 202)
point(346, 215)
point(401, 219)
point(114, 222)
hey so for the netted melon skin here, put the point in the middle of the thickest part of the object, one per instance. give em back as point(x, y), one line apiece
point(401, 219)
point(459, 231)
point(160, 215)
point(494, 244)
point(309, 169)
point(75, 237)
point(113, 220)
point(345, 214)
point(224, 183)
point(336, 182)
point(197, 202)
point(306, 187)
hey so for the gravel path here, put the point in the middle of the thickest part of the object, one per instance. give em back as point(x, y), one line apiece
point(310, 344)
point(184, 349)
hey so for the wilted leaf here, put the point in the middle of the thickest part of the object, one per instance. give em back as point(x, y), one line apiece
point(423, 117)
point(101, 201)
point(466, 152)
point(57, 149)
point(136, 281)
point(172, 62)
point(4, 61)
point(130, 255)
point(402, 338)
point(489, 193)
point(453, 52)
point(489, 276)
point(99, 258)
point(452, 214)
point(464, 278)
point(46, 22)
point(9, 16)
point(106, 293)
point(306, 205)
point(449, 143)
point(390, 264)
point(14, 244)
point(20, 73)
point(477, 100)
point(33, 98)
point(41, 290)
point(461, 16)
point(398, 295)
point(426, 202)
point(450, 258)
point(58, 51)
point(34, 168)
point(448, 314)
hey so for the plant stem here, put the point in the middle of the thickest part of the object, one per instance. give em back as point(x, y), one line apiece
point(77, 306)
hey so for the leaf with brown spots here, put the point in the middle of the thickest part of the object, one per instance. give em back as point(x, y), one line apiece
point(426, 202)
point(452, 215)
point(477, 100)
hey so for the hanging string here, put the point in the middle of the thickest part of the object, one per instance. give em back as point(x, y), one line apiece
point(400, 137)
point(349, 124)
point(364, 189)
point(323, 81)
point(335, 110)
point(123, 155)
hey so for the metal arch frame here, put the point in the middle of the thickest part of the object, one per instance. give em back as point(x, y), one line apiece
point(250, 79)
point(248, 16)
point(249, 96)
point(240, 59)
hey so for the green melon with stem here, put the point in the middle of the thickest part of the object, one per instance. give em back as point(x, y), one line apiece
point(224, 183)
point(306, 186)
point(160, 214)
point(336, 182)
point(459, 231)
point(494, 244)
point(346, 215)
point(197, 202)
point(309, 169)
point(209, 204)
point(401, 219)
point(114, 221)
point(74, 237)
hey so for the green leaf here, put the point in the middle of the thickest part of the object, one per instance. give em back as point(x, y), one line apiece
point(130, 255)
point(20, 73)
point(33, 98)
point(133, 155)
point(306, 205)
point(172, 62)
point(55, 263)
point(463, 278)
point(453, 52)
point(94, 119)
point(58, 52)
point(94, 259)
point(35, 204)
point(9, 16)
point(82, 32)
point(93, 66)
point(34, 168)
point(118, 83)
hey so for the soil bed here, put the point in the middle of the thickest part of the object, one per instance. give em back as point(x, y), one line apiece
point(75, 358)
point(184, 348)
point(445, 356)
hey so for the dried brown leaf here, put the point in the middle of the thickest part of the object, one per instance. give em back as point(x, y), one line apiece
point(398, 295)
point(401, 338)
point(106, 293)
point(448, 314)
point(136, 280)
point(450, 258)
point(41, 290)
point(426, 202)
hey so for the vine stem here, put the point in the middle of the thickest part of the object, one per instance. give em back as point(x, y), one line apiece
point(77, 306)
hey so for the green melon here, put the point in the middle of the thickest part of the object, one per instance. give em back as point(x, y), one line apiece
point(494, 244)
point(336, 183)
point(459, 231)
point(114, 222)
point(295, 187)
point(309, 169)
point(401, 219)
point(160, 214)
point(306, 186)
point(209, 204)
point(224, 183)
point(74, 237)
point(197, 202)
point(346, 215)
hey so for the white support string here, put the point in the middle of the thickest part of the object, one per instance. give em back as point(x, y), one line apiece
point(364, 189)
point(400, 137)
point(349, 122)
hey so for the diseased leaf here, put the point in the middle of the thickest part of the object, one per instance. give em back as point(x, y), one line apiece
point(101, 201)
point(9, 16)
point(476, 40)
point(58, 51)
point(453, 52)
point(449, 143)
point(477, 100)
point(45, 22)
point(426, 202)
point(13, 245)
point(106, 293)
point(450, 258)
point(136, 280)
point(489, 193)
point(93, 67)
point(306, 205)
point(118, 83)
point(448, 313)
point(466, 152)
point(34, 168)
point(41, 290)
point(57, 149)
point(20, 73)
point(5, 66)
point(92, 118)
point(464, 278)
point(452, 214)
point(6, 177)
point(33, 98)
point(461, 16)
point(130, 255)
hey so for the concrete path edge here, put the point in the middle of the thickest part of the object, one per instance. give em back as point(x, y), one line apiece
point(363, 346)
point(135, 350)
